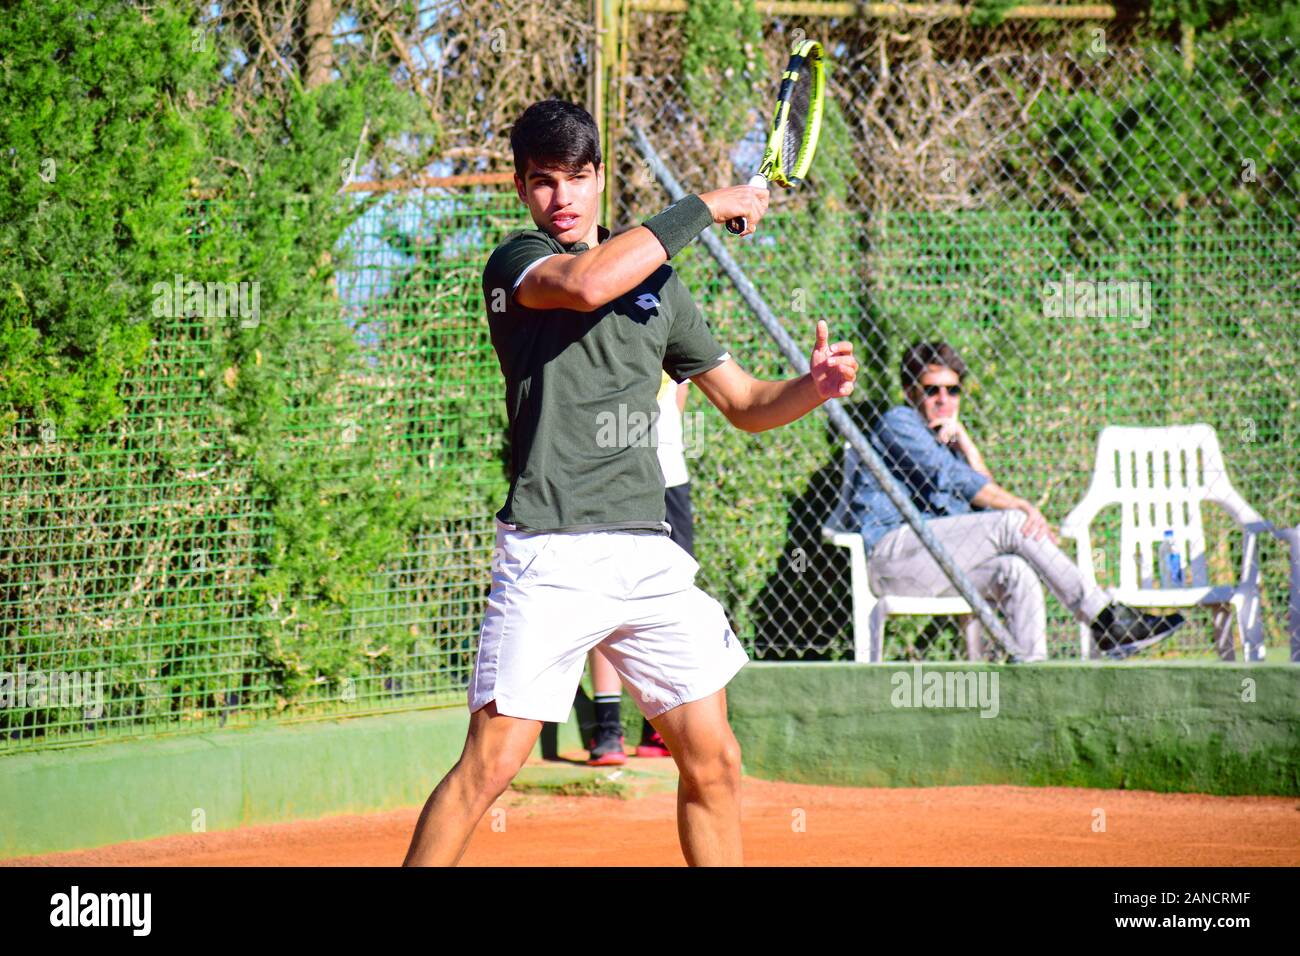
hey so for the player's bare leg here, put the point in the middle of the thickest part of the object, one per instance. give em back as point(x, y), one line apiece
point(495, 748)
point(708, 789)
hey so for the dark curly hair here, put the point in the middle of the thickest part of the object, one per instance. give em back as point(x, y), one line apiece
point(555, 134)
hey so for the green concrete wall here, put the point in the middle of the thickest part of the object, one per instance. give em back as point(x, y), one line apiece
point(1164, 727)
point(1139, 726)
point(91, 796)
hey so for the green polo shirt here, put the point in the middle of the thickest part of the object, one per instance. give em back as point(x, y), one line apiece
point(580, 392)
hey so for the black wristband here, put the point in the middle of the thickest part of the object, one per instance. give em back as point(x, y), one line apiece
point(681, 222)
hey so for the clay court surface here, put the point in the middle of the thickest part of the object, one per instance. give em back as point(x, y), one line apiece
point(950, 826)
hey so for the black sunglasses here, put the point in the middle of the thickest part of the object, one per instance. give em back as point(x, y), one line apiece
point(933, 390)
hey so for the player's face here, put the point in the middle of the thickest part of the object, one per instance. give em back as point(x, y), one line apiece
point(563, 202)
point(941, 404)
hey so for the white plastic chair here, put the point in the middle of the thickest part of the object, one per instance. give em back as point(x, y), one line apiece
point(1291, 538)
point(1160, 477)
point(870, 611)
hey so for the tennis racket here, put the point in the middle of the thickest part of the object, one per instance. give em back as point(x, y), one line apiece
point(796, 126)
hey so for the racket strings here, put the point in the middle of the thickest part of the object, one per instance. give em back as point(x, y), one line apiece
point(796, 125)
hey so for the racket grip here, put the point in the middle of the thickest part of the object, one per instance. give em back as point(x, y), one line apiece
point(739, 224)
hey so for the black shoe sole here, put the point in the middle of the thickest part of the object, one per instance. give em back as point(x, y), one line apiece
point(1129, 648)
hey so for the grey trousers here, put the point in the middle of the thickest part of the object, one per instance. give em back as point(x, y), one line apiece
point(1005, 566)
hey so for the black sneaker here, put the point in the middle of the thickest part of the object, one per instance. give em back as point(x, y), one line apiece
point(606, 748)
point(1120, 631)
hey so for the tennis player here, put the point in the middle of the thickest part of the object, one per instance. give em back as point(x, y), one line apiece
point(583, 324)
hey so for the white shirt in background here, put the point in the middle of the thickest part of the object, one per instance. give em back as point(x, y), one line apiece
point(672, 459)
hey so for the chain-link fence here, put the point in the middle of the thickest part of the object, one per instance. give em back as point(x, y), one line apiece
point(1090, 231)
point(959, 187)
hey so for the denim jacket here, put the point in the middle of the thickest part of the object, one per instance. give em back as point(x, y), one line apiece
point(938, 479)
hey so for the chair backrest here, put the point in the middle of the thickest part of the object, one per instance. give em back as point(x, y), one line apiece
point(838, 520)
point(1160, 477)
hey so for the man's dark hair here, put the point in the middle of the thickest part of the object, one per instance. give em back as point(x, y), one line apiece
point(556, 135)
point(924, 354)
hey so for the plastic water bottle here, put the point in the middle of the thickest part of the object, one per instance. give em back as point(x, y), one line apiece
point(1171, 562)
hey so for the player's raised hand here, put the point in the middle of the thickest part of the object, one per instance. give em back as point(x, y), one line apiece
point(833, 367)
point(737, 202)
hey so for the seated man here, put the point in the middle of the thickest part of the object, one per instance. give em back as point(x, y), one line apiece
point(1006, 547)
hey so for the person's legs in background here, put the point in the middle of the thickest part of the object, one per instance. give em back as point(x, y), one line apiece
point(677, 503)
point(1119, 630)
point(980, 543)
point(1011, 585)
point(681, 522)
point(901, 564)
point(1006, 581)
point(606, 747)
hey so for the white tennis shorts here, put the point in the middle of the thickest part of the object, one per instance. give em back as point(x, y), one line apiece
point(556, 596)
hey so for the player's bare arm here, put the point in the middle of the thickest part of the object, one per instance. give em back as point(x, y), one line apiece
point(755, 406)
point(589, 280)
